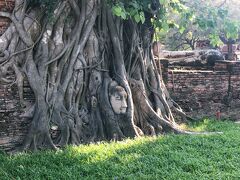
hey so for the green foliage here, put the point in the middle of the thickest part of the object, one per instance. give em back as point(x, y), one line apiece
point(169, 14)
point(165, 157)
point(129, 9)
point(163, 13)
point(215, 20)
point(204, 20)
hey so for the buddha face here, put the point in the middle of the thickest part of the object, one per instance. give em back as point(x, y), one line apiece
point(118, 99)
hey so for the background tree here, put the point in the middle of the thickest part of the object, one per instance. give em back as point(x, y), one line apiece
point(217, 21)
point(187, 40)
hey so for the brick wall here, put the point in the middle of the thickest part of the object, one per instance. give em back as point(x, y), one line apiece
point(198, 89)
point(13, 128)
point(5, 6)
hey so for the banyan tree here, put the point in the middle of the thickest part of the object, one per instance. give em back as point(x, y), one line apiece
point(92, 73)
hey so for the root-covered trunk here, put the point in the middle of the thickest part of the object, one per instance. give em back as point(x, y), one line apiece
point(93, 75)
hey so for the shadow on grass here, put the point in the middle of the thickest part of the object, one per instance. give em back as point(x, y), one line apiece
point(164, 157)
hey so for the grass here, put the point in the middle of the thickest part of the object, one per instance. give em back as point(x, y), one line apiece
point(165, 157)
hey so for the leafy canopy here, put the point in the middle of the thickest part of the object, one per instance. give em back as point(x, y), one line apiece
point(215, 19)
point(167, 14)
point(180, 14)
point(137, 9)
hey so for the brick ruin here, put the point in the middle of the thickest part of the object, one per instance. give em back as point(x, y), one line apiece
point(203, 93)
point(5, 6)
point(12, 128)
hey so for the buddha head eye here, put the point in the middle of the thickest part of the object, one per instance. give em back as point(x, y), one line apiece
point(117, 97)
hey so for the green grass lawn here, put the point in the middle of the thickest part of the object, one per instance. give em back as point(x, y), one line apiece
point(165, 157)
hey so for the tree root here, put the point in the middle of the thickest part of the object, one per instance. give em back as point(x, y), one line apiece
point(153, 118)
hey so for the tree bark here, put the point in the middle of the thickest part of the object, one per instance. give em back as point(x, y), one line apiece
point(90, 80)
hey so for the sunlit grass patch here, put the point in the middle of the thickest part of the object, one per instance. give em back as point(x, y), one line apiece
point(164, 157)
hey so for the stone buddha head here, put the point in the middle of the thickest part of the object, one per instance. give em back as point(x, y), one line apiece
point(118, 98)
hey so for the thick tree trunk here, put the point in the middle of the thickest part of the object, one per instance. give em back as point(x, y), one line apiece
point(93, 75)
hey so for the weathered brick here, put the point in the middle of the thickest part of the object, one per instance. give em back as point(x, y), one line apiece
point(5, 6)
